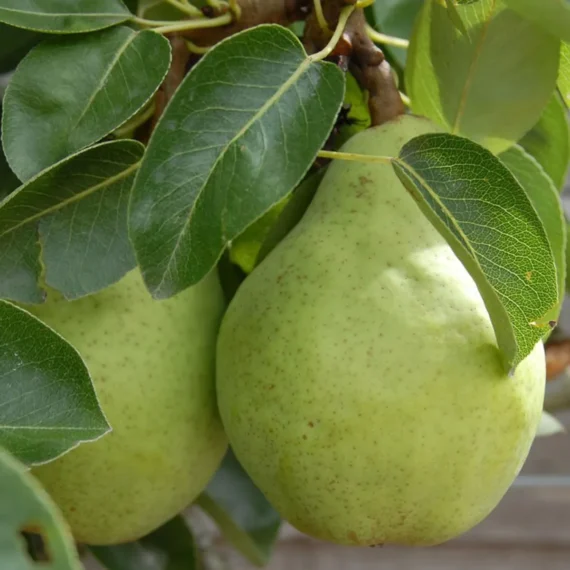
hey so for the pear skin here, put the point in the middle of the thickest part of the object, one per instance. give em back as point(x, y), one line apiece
point(358, 373)
point(152, 365)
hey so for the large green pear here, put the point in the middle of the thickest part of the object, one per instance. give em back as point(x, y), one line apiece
point(152, 364)
point(358, 374)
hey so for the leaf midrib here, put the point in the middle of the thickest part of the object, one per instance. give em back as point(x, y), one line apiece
point(104, 78)
point(472, 68)
point(74, 198)
point(305, 64)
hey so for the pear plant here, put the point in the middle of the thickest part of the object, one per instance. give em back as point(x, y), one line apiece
point(226, 226)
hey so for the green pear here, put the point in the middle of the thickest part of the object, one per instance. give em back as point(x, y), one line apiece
point(358, 374)
point(152, 365)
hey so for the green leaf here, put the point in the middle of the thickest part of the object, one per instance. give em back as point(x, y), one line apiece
point(70, 92)
point(132, 5)
point(552, 15)
point(546, 201)
point(239, 134)
point(490, 223)
point(14, 45)
point(549, 140)
point(241, 511)
point(357, 112)
point(20, 267)
point(245, 248)
point(48, 402)
point(564, 73)
point(490, 84)
point(291, 214)
point(79, 208)
point(171, 547)
point(454, 16)
point(396, 18)
point(25, 505)
point(63, 16)
point(8, 180)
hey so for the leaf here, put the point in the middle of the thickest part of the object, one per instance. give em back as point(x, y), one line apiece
point(63, 16)
point(549, 425)
point(245, 248)
point(171, 547)
point(23, 505)
point(544, 197)
point(396, 18)
point(564, 73)
point(20, 267)
point(291, 214)
point(356, 110)
point(491, 225)
point(549, 140)
point(48, 403)
point(489, 85)
point(552, 15)
point(241, 511)
point(8, 180)
point(14, 45)
point(454, 16)
point(79, 207)
point(239, 134)
point(70, 92)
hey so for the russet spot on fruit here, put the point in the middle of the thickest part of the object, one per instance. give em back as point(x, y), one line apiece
point(358, 374)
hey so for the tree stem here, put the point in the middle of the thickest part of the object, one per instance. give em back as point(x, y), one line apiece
point(354, 157)
point(379, 38)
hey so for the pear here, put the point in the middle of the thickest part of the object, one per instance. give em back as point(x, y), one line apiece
point(152, 365)
point(358, 374)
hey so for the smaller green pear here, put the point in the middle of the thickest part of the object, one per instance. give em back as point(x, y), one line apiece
point(152, 365)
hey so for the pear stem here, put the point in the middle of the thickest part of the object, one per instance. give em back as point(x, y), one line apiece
point(329, 48)
point(385, 39)
point(355, 157)
point(319, 15)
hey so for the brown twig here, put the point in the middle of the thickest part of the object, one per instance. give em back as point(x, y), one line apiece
point(366, 60)
point(253, 13)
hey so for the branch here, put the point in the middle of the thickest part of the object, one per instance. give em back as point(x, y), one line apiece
point(366, 61)
point(253, 13)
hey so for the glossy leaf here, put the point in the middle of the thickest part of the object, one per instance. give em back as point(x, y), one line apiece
point(490, 223)
point(241, 511)
point(549, 140)
point(20, 266)
point(396, 18)
point(244, 250)
point(546, 201)
point(8, 180)
point(79, 208)
point(14, 45)
point(490, 84)
point(25, 505)
point(291, 214)
point(564, 73)
point(70, 92)
point(238, 135)
point(48, 403)
point(356, 110)
point(171, 547)
point(552, 15)
point(63, 16)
